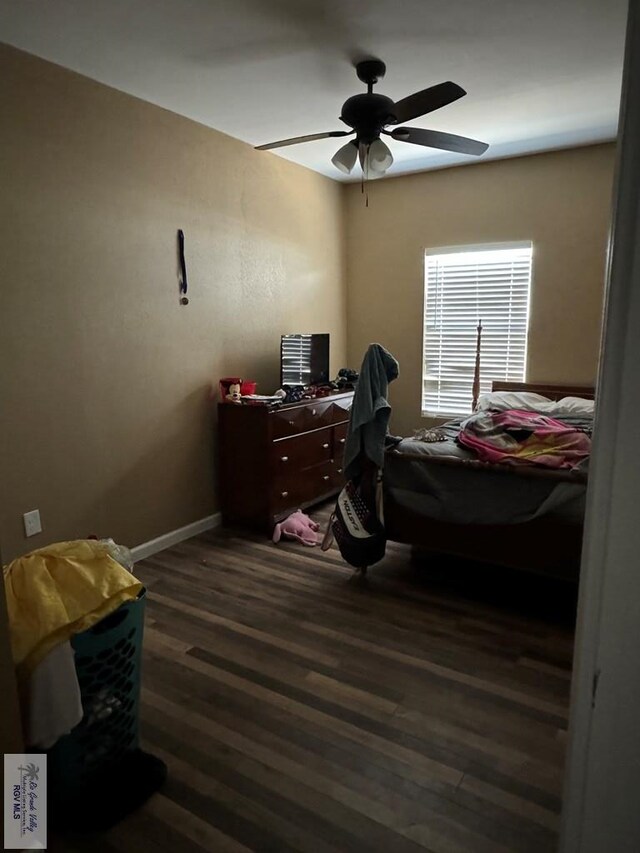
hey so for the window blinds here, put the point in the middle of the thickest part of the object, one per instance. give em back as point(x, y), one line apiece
point(296, 359)
point(462, 287)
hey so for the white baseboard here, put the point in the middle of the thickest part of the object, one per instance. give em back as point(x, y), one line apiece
point(147, 549)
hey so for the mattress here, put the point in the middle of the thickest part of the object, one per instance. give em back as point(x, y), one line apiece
point(444, 481)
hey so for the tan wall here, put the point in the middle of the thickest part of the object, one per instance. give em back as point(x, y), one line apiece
point(560, 201)
point(107, 425)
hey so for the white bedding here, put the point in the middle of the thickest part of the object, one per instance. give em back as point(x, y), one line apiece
point(502, 401)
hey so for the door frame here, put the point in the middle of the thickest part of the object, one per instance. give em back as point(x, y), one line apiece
point(601, 809)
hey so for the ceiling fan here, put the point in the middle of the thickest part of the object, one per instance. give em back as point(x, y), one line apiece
point(368, 115)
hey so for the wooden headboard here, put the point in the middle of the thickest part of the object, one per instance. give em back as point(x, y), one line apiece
point(553, 392)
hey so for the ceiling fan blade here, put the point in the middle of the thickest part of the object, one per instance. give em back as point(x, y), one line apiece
point(436, 139)
point(426, 101)
point(294, 140)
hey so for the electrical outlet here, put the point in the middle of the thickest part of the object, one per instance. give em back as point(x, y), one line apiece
point(32, 523)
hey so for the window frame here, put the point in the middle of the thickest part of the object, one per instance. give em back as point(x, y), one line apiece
point(464, 249)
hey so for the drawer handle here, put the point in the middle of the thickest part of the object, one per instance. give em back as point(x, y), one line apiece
point(325, 445)
point(284, 458)
point(342, 440)
point(292, 423)
point(339, 470)
point(313, 412)
point(284, 494)
point(326, 477)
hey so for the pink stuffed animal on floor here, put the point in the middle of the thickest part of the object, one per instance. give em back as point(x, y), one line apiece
point(297, 526)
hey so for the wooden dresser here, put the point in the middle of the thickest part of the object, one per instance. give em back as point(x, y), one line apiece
point(274, 461)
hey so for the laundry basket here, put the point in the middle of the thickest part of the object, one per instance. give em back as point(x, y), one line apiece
point(107, 657)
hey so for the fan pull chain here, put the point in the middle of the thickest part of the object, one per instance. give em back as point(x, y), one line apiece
point(364, 191)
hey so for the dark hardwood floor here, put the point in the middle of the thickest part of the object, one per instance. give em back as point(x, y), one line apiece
point(301, 709)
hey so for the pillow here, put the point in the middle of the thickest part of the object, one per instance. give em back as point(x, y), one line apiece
point(575, 406)
point(502, 401)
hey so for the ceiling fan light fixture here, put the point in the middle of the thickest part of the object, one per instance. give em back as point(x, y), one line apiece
point(379, 157)
point(345, 158)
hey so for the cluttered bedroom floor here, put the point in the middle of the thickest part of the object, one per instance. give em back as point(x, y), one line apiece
point(299, 708)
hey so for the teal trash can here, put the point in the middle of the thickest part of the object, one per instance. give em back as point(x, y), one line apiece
point(108, 664)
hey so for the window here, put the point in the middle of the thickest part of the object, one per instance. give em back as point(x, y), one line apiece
point(466, 285)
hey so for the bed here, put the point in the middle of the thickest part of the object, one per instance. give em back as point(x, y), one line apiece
point(439, 498)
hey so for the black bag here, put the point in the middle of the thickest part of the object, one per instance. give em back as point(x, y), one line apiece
point(357, 526)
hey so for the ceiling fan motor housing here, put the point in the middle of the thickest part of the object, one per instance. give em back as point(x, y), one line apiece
point(370, 70)
point(367, 115)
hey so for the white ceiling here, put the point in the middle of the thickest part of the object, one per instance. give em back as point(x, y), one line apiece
point(541, 74)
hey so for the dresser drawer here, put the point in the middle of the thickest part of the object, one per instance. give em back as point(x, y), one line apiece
point(323, 412)
point(319, 413)
point(339, 440)
point(337, 475)
point(301, 451)
point(341, 410)
point(286, 422)
point(295, 489)
point(284, 496)
point(325, 478)
point(312, 414)
point(290, 492)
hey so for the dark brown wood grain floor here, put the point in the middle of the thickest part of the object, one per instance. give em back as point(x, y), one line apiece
point(300, 709)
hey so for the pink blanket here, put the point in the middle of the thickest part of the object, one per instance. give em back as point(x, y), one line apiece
point(519, 437)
